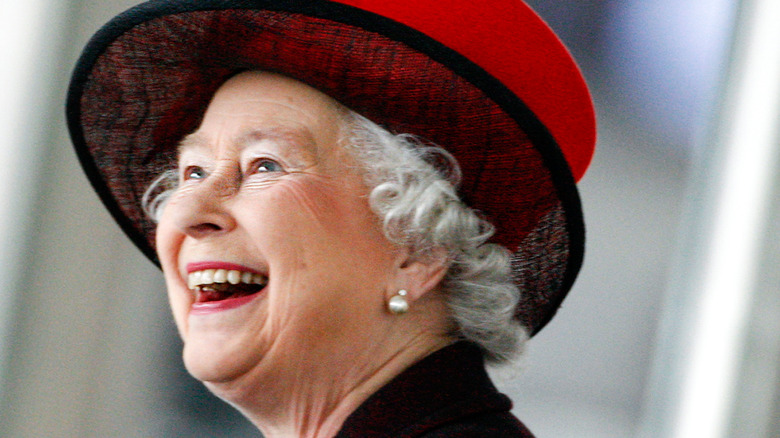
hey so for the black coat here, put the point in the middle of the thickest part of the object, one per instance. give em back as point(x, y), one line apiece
point(446, 395)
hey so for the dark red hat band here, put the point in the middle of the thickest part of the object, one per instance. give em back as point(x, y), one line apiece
point(145, 79)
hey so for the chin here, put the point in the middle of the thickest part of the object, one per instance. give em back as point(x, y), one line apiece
point(216, 361)
point(231, 376)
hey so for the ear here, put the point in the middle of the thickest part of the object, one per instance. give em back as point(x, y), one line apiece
point(420, 275)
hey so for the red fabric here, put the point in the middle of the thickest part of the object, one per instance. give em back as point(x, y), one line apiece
point(407, 92)
point(511, 42)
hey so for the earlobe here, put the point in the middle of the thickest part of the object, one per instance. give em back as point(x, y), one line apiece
point(421, 275)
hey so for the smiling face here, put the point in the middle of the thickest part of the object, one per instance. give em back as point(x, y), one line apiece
point(270, 201)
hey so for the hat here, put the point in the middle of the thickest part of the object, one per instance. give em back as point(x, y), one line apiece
point(488, 81)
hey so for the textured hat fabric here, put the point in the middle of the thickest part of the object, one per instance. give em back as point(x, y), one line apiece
point(488, 81)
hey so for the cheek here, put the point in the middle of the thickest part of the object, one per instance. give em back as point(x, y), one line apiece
point(318, 202)
point(167, 239)
point(323, 246)
point(330, 218)
point(168, 245)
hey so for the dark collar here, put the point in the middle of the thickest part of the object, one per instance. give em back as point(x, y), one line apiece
point(447, 385)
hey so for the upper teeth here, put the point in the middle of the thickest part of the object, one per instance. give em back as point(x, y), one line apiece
point(209, 276)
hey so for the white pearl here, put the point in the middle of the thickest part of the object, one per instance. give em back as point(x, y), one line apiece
point(398, 304)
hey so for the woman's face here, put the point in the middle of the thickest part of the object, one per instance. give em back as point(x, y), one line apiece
point(269, 200)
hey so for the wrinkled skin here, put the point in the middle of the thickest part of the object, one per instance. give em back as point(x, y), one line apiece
point(266, 184)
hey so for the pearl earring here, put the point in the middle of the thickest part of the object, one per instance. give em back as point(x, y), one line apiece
point(398, 304)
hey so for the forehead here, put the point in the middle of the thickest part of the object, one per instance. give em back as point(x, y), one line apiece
point(300, 138)
point(255, 107)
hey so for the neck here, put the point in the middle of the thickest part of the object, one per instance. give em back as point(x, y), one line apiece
point(312, 397)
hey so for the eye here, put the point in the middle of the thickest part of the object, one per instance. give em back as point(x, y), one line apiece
point(193, 172)
point(264, 165)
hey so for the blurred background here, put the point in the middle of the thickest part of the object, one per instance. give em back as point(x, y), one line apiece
point(672, 330)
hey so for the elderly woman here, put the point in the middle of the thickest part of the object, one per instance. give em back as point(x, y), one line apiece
point(328, 275)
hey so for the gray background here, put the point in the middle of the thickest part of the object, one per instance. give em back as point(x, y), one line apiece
point(87, 346)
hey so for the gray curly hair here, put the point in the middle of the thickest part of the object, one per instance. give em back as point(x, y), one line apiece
point(413, 192)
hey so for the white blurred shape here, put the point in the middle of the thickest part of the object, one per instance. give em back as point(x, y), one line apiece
point(748, 136)
point(704, 333)
point(26, 29)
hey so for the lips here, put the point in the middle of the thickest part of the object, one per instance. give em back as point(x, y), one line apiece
point(222, 286)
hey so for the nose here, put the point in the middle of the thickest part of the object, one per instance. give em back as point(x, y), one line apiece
point(200, 210)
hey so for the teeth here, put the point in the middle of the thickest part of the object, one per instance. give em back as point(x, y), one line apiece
point(209, 276)
point(194, 279)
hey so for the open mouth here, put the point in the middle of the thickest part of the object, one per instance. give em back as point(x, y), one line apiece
point(212, 285)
